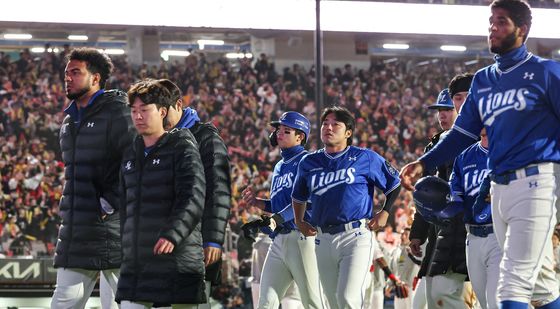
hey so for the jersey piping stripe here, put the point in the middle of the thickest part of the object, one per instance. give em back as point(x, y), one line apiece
point(393, 188)
point(467, 133)
point(338, 155)
point(296, 156)
point(515, 66)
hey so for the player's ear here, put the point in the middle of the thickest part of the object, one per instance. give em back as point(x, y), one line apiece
point(348, 133)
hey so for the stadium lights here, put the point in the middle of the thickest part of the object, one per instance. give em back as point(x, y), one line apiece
point(77, 37)
point(38, 50)
point(18, 36)
point(471, 62)
point(114, 51)
point(239, 55)
point(457, 48)
point(169, 52)
point(202, 43)
point(385, 17)
point(395, 46)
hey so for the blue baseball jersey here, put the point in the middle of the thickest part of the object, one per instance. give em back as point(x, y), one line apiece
point(341, 186)
point(283, 179)
point(517, 99)
point(469, 170)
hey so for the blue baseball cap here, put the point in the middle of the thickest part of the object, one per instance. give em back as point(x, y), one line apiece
point(293, 120)
point(443, 101)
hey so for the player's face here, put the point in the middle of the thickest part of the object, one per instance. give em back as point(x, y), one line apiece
point(503, 35)
point(446, 118)
point(147, 119)
point(333, 132)
point(458, 100)
point(484, 138)
point(174, 115)
point(288, 137)
point(78, 80)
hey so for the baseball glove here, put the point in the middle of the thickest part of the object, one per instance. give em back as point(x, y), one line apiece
point(251, 229)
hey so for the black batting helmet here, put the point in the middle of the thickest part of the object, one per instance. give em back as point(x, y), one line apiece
point(431, 195)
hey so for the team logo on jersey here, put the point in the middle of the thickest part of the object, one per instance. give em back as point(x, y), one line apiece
point(391, 169)
point(321, 183)
point(352, 158)
point(494, 104)
point(473, 179)
point(280, 182)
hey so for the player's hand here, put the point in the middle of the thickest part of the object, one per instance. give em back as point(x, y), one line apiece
point(211, 255)
point(306, 229)
point(248, 195)
point(410, 173)
point(415, 247)
point(163, 246)
point(378, 221)
point(401, 289)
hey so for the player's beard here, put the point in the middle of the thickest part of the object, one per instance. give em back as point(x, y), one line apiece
point(79, 93)
point(506, 44)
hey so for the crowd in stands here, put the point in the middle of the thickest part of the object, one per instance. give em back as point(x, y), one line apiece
point(388, 99)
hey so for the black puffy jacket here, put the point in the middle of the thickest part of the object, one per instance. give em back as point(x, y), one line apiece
point(165, 193)
point(213, 152)
point(446, 245)
point(92, 151)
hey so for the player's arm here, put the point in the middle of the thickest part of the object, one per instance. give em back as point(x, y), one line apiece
point(300, 194)
point(401, 290)
point(249, 196)
point(384, 176)
point(459, 138)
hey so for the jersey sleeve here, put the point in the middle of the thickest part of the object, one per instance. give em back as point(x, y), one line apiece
point(468, 121)
point(456, 181)
point(382, 173)
point(300, 191)
point(553, 91)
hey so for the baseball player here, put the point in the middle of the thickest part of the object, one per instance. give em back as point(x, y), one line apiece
point(483, 251)
point(339, 180)
point(406, 267)
point(379, 269)
point(444, 267)
point(517, 100)
point(291, 256)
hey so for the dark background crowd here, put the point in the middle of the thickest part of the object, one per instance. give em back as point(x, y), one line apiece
point(240, 97)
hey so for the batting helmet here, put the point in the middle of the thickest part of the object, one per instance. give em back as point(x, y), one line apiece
point(293, 120)
point(431, 195)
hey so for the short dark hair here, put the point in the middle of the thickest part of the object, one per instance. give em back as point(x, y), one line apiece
point(343, 115)
point(150, 91)
point(519, 12)
point(460, 83)
point(176, 93)
point(96, 62)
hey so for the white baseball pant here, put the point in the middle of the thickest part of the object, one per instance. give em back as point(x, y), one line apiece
point(344, 259)
point(524, 215)
point(74, 287)
point(419, 300)
point(291, 258)
point(445, 291)
point(125, 304)
point(483, 263)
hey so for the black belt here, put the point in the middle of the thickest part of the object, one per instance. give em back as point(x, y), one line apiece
point(509, 176)
point(481, 230)
point(338, 228)
point(284, 230)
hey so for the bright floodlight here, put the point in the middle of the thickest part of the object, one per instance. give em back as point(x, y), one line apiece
point(77, 37)
point(457, 48)
point(395, 46)
point(18, 36)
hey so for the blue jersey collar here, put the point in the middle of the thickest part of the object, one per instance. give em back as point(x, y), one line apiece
point(510, 59)
point(291, 152)
point(77, 113)
point(188, 119)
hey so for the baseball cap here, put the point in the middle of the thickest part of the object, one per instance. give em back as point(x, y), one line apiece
point(443, 101)
point(293, 120)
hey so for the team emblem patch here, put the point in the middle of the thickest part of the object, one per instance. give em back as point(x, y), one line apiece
point(391, 169)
